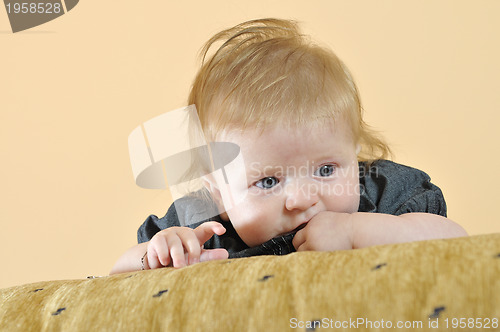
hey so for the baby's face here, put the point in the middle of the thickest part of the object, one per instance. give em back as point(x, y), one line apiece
point(292, 175)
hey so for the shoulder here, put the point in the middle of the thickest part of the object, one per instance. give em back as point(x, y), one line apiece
point(386, 169)
point(390, 178)
point(193, 209)
point(389, 187)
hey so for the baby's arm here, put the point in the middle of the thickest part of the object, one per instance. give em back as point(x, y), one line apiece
point(174, 246)
point(330, 231)
point(374, 228)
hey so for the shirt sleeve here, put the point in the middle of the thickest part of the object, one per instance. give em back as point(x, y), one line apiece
point(388, 187)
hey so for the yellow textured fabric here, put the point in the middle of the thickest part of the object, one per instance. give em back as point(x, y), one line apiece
point(432, 282)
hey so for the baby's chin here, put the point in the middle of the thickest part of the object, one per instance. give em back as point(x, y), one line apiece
point(288, 236)
point(253, 242)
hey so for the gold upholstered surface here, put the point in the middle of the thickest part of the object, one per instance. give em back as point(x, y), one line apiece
point(432, 282)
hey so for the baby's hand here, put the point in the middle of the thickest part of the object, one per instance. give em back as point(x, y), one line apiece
point(326, 231)
point(181, 246)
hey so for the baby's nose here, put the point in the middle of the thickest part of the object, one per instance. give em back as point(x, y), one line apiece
point(301, 194)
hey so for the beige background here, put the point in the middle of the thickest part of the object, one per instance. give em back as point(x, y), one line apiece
point(73, 89)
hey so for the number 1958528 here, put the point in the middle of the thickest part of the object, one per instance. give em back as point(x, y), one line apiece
point(34, 8)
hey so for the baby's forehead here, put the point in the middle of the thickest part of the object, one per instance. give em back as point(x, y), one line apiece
point(278, 145)
point(256, 127)
point(285, 134)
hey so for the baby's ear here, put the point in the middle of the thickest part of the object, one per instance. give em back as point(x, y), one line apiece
point(358, 148)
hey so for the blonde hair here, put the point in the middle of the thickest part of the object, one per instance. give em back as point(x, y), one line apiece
point(266, 72)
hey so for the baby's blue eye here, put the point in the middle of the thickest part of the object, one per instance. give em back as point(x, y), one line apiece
point(267, 183)
point(325, 171)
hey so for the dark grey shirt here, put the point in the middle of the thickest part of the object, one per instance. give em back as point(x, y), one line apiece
point(386, 187)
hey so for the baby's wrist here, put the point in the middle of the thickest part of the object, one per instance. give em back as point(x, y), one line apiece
point(144, 261)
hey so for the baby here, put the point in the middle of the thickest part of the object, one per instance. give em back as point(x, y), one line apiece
point(317, 178)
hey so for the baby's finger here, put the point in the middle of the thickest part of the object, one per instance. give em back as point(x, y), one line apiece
point(176, 250)
point(303, 247)
point(152, 260)
point(299, 239)
point(191, 245)
point(206, 230)
point(158, 253)
point(213, 254)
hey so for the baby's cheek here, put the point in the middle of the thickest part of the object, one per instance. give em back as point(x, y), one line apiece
point(252, 223)
point(244, 217)
point(344, 197)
